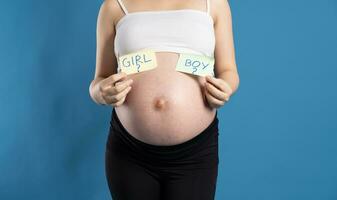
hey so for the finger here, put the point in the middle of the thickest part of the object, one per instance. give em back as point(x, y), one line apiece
point(215, 92)
point(215, 82)
point(118, 103)
point(119, 87)
point(119, 81)
point(213, 101)
point(107, 100)
point(120, 95)
point(221, 84)
point(228, 89)
point(115, 77)
point(111, 80)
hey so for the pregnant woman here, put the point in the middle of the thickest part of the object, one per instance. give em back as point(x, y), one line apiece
point(163, 136)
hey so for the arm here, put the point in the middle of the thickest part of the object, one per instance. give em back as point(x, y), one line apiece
point(106, 62)
point(219, 89)
point(225, 64)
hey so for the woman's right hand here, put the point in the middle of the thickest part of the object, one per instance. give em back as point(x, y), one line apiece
point(115, 88)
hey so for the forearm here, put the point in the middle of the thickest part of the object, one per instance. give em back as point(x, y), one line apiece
point(231, 77)
point(95, 93)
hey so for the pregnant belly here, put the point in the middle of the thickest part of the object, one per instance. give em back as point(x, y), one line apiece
point(164, 106)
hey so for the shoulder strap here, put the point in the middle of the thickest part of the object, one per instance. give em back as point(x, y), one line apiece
point(208, 6)
point(123, 7)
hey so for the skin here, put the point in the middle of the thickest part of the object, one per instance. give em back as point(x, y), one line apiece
point(153, 106)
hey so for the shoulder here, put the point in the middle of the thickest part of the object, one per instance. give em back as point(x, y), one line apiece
point(110, 10)
point(219, 8)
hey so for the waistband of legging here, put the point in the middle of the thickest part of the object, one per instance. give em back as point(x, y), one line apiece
point(203, 135)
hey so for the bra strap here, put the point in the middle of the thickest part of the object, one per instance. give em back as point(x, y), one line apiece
point(208, 7)
point(123, 7)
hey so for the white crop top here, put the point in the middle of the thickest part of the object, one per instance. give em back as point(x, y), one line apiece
point(180, 31)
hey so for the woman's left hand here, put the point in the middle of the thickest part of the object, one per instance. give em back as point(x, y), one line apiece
point(217, 91)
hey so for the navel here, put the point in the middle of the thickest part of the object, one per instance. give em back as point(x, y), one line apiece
point(160, 103)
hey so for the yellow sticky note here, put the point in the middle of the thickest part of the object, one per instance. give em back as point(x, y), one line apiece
point(138, 61)
point(195, 64)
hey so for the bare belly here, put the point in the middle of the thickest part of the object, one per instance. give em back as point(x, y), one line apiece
point(164, 106)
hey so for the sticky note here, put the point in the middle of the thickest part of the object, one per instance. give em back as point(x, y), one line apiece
point(138, 61)
point(195, 64)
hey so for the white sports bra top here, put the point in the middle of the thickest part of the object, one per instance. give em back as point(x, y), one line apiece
point(180, 31)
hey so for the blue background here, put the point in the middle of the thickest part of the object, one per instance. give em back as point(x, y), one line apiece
point(278, 134)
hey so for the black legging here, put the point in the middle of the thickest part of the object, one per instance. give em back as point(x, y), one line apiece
point(136, 170)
